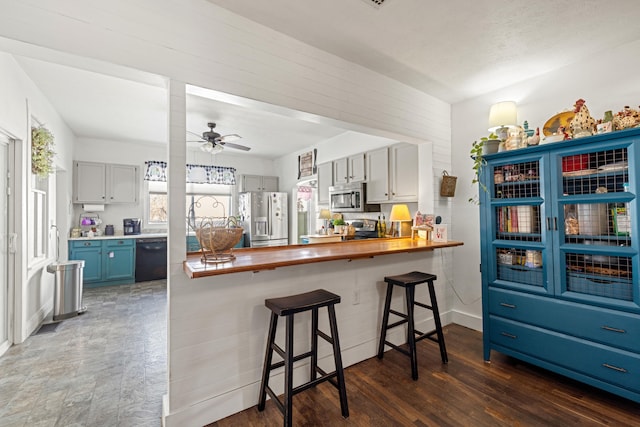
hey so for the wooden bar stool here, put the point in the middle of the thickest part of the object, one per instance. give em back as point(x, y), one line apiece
point(288, 306)
point(409, 282)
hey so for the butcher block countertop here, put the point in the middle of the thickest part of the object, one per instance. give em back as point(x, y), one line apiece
point(269, 258)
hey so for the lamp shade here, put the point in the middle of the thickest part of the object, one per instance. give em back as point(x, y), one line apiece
point(400, 213)
point(324, 214)
point(502, 114)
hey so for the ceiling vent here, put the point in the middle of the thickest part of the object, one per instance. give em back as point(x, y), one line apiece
point(375, 3)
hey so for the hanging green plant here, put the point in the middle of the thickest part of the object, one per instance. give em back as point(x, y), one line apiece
point(41, 151)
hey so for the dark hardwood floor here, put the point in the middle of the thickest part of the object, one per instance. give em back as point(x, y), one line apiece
point(466, 392)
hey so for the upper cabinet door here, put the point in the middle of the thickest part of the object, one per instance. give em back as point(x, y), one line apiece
point(123, 183)
point(404, 172)
point(251, 183)
point(269, 183)
point(89, 182)
point(340, 171)
point(325, 174)
point(378, 182)
point(357, 168)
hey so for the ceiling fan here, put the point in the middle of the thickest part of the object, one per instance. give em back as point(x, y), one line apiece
point(213, 142)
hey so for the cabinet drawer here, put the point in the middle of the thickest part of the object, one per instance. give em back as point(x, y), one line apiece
point(607, 364)
point(76, 244)
point(615, 328)
point(120, 243)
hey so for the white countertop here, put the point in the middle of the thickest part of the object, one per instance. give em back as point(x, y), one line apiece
point(121, 236)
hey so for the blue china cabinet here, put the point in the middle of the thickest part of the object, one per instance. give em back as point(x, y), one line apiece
point(560, 258)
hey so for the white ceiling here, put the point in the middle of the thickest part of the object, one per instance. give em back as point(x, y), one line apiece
point(100, 106)
point(454, 50)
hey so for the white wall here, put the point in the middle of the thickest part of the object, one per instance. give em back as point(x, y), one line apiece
point(20, 101)
point(606, 82)
point(193, 41)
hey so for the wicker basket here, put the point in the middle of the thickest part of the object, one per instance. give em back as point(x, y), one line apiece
point(217, 242)
point(448, 185)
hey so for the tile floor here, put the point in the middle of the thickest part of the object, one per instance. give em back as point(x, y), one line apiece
point(106, 367)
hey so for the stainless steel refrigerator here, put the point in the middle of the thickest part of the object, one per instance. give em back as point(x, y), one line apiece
point(264, 217)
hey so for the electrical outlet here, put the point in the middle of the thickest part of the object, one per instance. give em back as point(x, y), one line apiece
point(356, 296)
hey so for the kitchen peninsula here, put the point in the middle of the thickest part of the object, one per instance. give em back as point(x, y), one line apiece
point(219, 324)
point(257, 259)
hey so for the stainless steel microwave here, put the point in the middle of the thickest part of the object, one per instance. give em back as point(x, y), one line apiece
point(350, 198)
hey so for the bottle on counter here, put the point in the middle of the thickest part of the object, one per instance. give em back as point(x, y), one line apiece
point(379, 227)
point(384, 226)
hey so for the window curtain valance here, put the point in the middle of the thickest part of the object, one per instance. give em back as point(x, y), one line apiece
point(196, 174)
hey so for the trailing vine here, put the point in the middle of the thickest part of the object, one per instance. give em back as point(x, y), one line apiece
point(41, 151)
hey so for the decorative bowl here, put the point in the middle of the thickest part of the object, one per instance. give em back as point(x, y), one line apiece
point(552, 138)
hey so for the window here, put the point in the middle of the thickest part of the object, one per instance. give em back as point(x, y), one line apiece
point(38, 219)
point(157, 209)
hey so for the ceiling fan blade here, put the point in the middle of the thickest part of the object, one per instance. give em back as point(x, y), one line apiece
point(236, 146)
point(229, 138)
point(195, 134)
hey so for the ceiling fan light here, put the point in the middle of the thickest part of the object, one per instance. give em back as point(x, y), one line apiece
point(211, 148)
point(231, 137)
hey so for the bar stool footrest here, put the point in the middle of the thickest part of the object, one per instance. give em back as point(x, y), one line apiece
point(397, 347)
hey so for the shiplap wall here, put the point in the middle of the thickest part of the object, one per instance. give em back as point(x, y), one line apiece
point(193, 41)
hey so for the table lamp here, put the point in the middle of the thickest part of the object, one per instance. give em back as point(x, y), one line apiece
point(502, 116)
point(325, 214)
point(400, 213)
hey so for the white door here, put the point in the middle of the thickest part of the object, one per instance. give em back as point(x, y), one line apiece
point(4, 246)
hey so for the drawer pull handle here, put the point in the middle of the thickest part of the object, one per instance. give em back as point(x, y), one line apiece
point(504, 304)
point(609, 328)
point(508, 335)
point(615, 368)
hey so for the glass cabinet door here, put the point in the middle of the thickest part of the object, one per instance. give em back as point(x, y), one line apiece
point(517, 228)
point(596, 200)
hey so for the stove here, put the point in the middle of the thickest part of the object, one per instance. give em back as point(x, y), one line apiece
point(365, 228)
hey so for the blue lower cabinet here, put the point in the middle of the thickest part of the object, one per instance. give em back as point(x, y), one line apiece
point(192, 244)
point(106, 262)
point(91, 253)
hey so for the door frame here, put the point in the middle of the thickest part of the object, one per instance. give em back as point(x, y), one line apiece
point(13, 256)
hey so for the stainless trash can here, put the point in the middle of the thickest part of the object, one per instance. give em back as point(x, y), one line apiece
point(67, 294)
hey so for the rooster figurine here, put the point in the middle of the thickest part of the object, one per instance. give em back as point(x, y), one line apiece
point(534, 139)
point(582, 123)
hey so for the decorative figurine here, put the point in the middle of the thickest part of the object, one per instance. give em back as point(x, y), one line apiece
point(535, 139)
point(625, 119)
point(582, 123)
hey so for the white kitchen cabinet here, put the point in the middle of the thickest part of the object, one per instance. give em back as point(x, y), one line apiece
point(378, 182)
point(259, 183)
point(103, 183)
point(403, 172)
point(393, 174)
point(325, 180)
point(349, 169)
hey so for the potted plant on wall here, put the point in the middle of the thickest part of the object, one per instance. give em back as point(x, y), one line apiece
point(41, 151)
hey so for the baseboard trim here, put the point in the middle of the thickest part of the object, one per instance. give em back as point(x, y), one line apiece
point(37, 318)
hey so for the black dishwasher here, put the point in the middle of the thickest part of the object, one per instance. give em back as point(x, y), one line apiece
point(151, 259)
